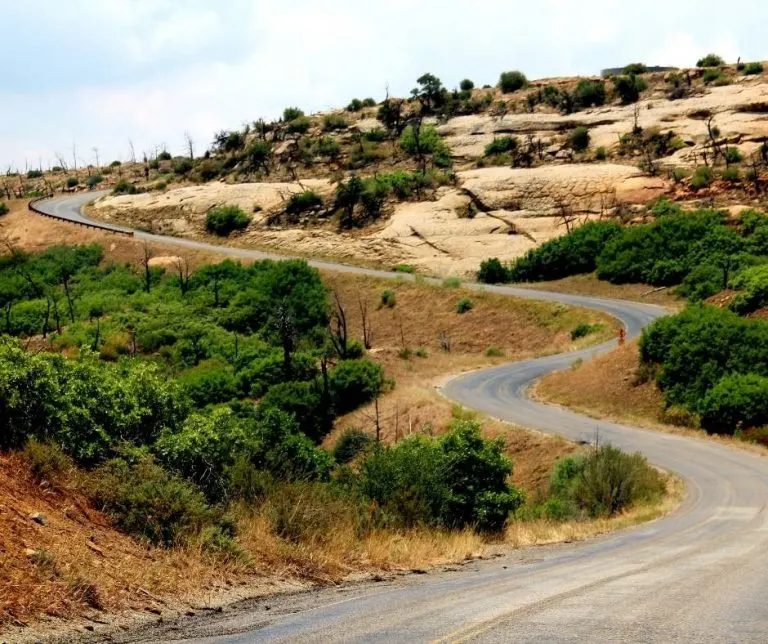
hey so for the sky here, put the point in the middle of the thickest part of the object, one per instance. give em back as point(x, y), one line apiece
point(100, 73)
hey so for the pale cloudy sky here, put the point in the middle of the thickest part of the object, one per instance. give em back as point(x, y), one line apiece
point(101, 72)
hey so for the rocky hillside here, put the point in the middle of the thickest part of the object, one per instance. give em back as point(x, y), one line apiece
point(446, 179)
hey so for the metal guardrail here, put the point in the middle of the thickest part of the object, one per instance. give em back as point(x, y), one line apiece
point(86, 224)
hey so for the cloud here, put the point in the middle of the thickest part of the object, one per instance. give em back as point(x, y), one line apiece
point(99, 72)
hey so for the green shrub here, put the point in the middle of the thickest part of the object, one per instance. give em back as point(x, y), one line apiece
point(4, 210)
point(512, 81)
point(292, 113)
point(702, 282)
point(72, 182)
point(502, 144)
point(492, 271)
point(147, 502)
point(710, 60)
point(702, 177)
point(571, 254)
point(350, 445)
point(298, 125)
point(494, 352)
point(711, 75)
point(428, 145)
point(355, 105)
point(752, 69)
point(629, 88)
point(94, 180)
point(466, 85)
point(47, 462)
point(301, 202)
point(455, 481)
point(698, 347)
point(354, 383)
point(733, 155)
point(579, 138)
point(464, 305)
point(333, 122)
point(678, 174)
point(738, 401)
point(589, 94)
point(164, 156)
point(183, 165)
point(259, 374)
point(210, 382)
point(601, 154)
point(388, 299)
point(731, 175)
point(635, 69)
point(328, 147)
point(122, 187)
point(34, 174)
point(305, 402)
point(752, 282)
point(369, 102)
point(583, 329)
point(224, 220)
point(404, 268)
point(376, 135)
point(606, 481)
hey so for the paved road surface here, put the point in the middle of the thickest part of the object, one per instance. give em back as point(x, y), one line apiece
point(699, 575)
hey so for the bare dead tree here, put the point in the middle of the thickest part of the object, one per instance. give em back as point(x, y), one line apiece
point(445, 341)
point(96, 154)
point(131, 151)
point(182, 270)
point(190, 145)
point(74, 156)
point(366, 322)
point(713, 132)
point(338, 330)
point(145, 262)
point(566, 215)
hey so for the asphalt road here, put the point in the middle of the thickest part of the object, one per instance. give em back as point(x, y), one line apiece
point(698, 575)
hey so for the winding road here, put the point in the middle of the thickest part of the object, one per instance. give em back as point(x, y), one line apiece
point(698, 575)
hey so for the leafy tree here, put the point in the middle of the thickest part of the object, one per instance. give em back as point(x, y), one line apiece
point(466, 85)
point(492, 271)
point(710, 60)
point(258, 155)
point(292, 113)
point(628, 88)
point(424, 143)
point(354, 383)
point(588, 94)
point(350, 445)
point(430, 91)
point(512, 81)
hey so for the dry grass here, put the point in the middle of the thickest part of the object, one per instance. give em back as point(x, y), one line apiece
point(590, 285)
point(77, 562)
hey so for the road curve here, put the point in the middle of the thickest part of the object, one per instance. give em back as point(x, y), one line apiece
point(698, 575)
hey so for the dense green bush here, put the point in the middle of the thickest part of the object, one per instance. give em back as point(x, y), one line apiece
point(350, 445)
point(4, 208)
point(628, 88)
point(305, 402)
point(571, 254)
point(427, 146)
point(604, 482)
point(388, 299)
point(122, 187)
point(583, 329)
point(224, 220)
point(512, 81)
point(737, 401)
point(733, 155)
point(183, 165)
point(298, 125)
point(752, 69)
point(636, 69)
point(710, 60)
point(94, 180)
point(354, 383)
point(702, 282)
point(492, 271)
point(700, 346)
point(457, 480)
point(579, 138)
point(466, 85)
point(502, 144)
point(702, 178)
point(147, 502)
point(333, 122)
point(210, 382)
point(355, 105)
point(292, 113)
point(301, 202)
point(589, 94)
point(752, 282)
point(464, 305)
